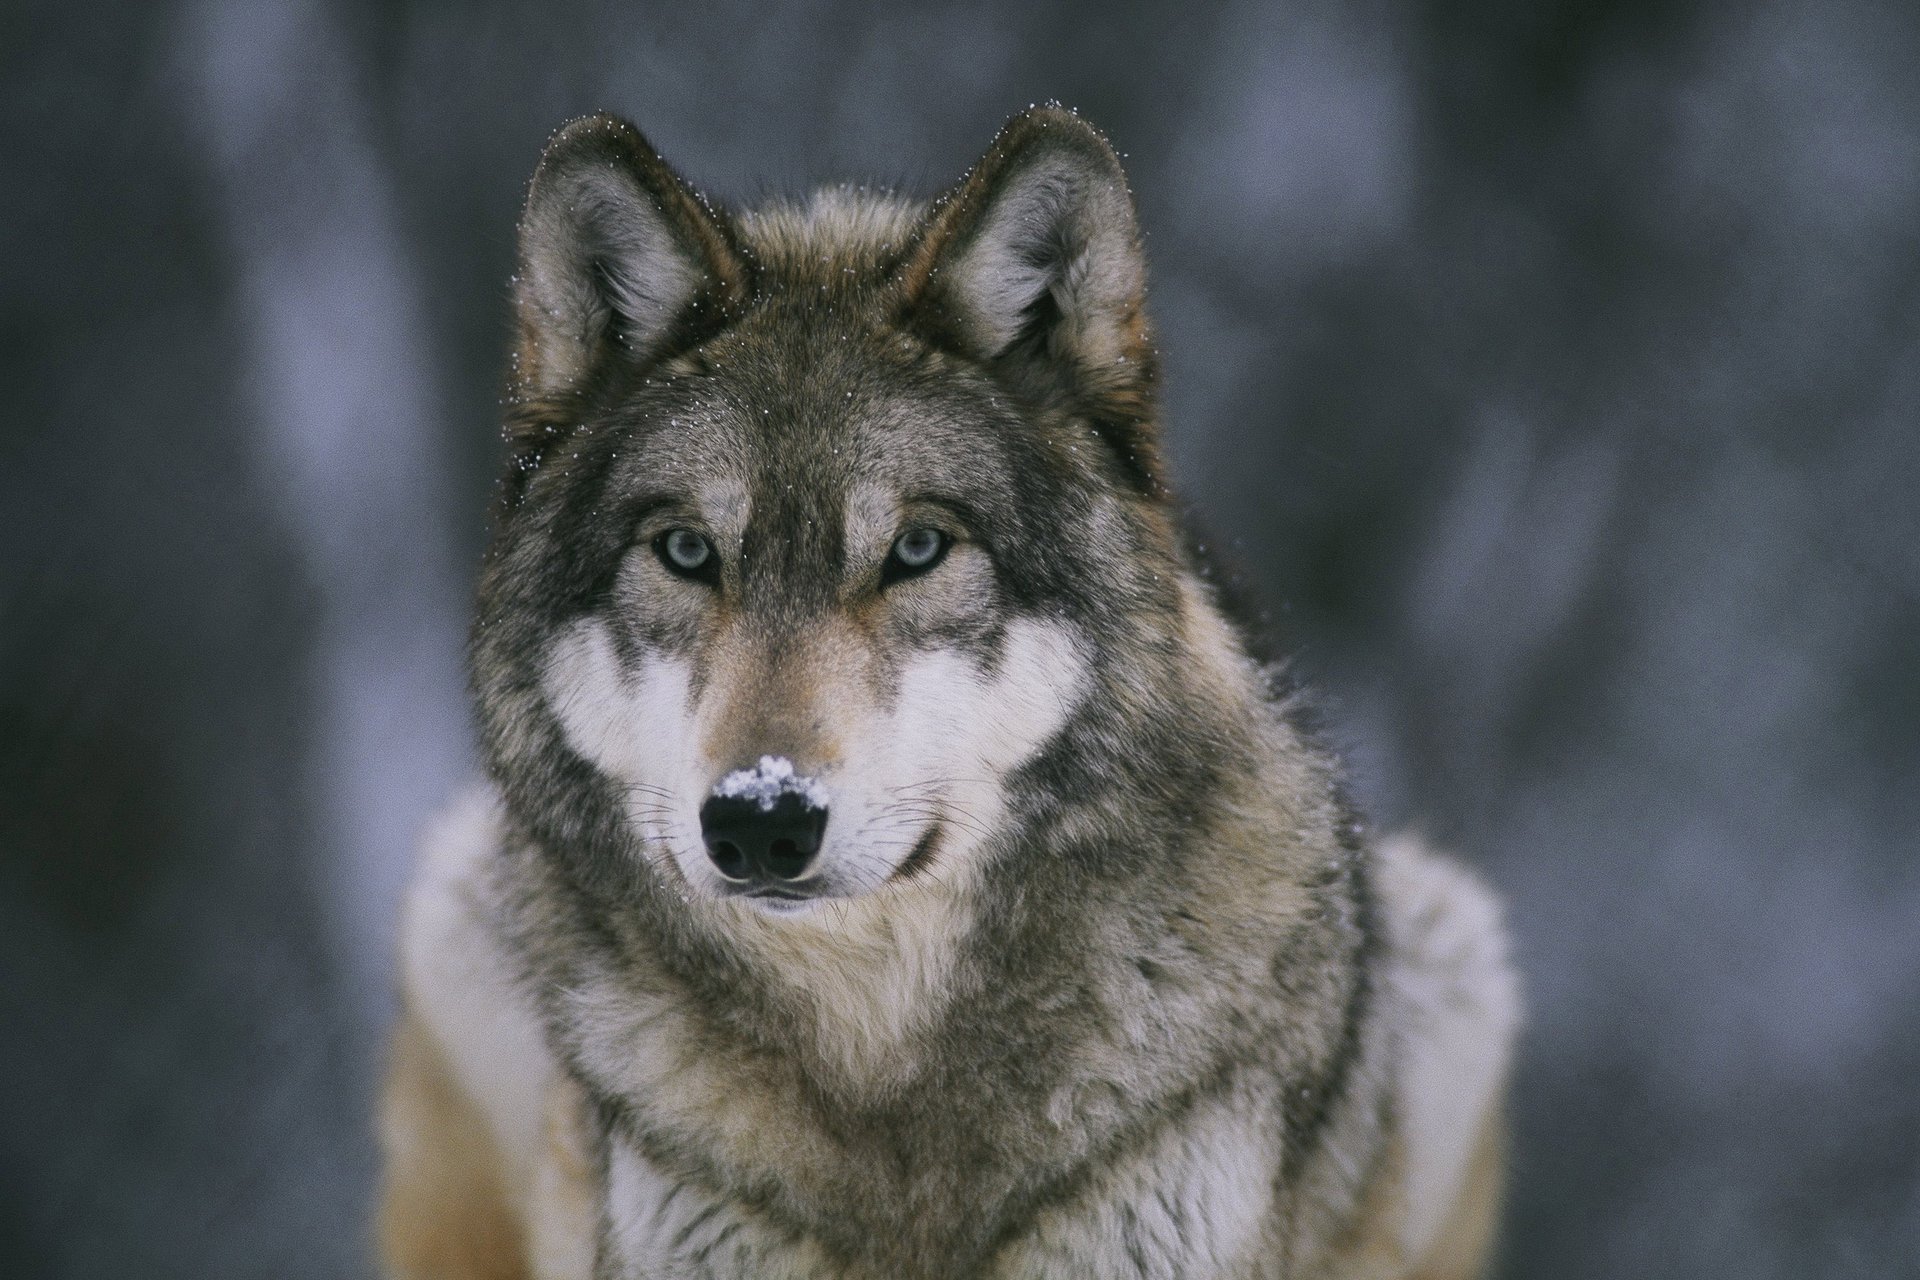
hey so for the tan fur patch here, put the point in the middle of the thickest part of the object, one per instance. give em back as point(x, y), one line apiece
point(445, 1209)
point(1465, 1245)
point(562, 1201)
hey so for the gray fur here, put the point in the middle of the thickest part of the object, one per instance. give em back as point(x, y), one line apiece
point(1143, 1012)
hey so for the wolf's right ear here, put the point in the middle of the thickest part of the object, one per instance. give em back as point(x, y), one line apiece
point(617, 256)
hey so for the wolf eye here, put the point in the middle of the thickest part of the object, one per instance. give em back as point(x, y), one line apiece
point(915, 551)
point(685, 553)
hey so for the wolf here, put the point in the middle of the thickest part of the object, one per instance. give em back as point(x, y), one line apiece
point(896, 861)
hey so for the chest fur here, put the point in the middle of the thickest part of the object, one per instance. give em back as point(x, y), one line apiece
point(1194, 1201)
point(1082, 1137)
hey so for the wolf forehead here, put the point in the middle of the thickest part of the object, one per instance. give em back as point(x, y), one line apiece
point(815, 379)
point(763, 407)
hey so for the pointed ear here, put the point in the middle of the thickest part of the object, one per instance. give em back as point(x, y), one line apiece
point(1033, 265)
point(618, 259)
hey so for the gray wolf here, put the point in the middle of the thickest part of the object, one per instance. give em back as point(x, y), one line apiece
point(894, 863)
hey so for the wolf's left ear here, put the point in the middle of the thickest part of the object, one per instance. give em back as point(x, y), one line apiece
point(618, 255)
point(1033, 265)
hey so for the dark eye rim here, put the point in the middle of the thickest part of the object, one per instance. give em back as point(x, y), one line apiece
point(707, 571)
point(895, 569)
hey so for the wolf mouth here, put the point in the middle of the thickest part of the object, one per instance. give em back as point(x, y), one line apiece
point(780, 899)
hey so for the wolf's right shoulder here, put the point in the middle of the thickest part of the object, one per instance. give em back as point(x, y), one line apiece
point(455, 847)
point(446, 931)
point(459, 981)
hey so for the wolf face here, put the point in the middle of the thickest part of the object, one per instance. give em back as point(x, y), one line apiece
point(808, 673)
point(822, 519)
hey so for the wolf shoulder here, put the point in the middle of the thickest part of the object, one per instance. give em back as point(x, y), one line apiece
point(487, 1162)
point(1455, 1001)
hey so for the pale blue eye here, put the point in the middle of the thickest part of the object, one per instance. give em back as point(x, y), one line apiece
point(685, 550)
point(917, 547)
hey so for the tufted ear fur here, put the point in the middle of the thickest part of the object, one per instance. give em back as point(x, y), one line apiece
point(1033, 265)
point(618, 258)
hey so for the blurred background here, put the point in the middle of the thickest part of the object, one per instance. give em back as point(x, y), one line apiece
point(1552, 369)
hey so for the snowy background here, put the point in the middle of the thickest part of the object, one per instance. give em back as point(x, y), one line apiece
point(1553, 368)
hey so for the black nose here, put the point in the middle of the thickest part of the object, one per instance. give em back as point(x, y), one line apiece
point(751, 841)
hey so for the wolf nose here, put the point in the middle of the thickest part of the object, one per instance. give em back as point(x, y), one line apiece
point(749, 840)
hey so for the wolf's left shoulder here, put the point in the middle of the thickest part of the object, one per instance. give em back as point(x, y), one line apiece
point(1457, 1002)
point(1448, 932)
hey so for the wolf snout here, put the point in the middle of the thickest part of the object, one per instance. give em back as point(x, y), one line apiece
point(748, 841)
point(764, 824)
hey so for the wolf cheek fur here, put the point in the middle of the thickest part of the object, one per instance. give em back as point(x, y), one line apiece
point(1088, 971)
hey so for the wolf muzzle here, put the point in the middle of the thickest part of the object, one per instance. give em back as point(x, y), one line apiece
point(763, 826)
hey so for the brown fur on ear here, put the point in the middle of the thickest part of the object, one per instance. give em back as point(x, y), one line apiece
point(620, 261)
point(1033, 265)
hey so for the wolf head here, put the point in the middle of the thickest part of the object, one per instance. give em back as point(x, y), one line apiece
point(833, 546)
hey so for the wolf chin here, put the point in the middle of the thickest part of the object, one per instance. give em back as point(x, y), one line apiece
point(894, 863)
